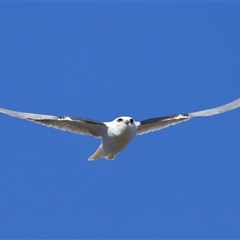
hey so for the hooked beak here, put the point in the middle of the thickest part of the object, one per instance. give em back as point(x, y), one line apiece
point(126, 122)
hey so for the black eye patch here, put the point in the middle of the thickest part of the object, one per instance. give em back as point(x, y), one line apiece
point(119, 120)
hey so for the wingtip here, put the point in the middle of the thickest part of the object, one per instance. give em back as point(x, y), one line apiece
point(217, 110)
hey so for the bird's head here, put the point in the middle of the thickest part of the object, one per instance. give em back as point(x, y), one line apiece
point(121, 121)
point(123, 126)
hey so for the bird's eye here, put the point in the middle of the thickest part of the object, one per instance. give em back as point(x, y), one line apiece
point(131, 121)
point(119, 120)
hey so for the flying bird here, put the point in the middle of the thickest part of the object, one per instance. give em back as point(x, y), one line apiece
point(117, 134)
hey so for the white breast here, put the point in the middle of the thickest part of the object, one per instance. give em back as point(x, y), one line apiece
point(117, 137)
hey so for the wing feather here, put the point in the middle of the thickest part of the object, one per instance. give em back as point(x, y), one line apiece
point(76, 125)
point(155, 124)
point(213, 111)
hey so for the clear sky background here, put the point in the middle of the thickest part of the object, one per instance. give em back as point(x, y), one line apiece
point(101, 61)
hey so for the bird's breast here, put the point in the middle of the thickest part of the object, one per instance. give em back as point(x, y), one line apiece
point(116, 139)
point(124, 132)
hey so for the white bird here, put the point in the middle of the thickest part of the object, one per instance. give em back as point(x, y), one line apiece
point(118, 133)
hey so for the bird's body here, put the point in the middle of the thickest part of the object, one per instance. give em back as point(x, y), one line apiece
point(117, 134)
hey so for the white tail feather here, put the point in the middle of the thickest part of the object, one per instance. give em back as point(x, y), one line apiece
point(110, 156)
point(98, 154)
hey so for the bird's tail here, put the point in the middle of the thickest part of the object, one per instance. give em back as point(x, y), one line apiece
point(110, 156)
point(98, 154)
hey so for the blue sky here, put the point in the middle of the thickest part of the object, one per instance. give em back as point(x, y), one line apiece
point(101, 61)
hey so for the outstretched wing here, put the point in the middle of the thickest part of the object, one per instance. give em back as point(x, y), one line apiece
point(155, 124)
point(76, 125)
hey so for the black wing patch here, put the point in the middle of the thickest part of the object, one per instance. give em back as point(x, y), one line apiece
point(155, 124)
point(86, 120)
point(175, 117)
point(73, 124)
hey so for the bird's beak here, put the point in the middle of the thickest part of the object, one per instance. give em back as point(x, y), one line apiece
point(127, 122)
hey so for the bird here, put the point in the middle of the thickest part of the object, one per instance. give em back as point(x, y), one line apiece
point(117, 134)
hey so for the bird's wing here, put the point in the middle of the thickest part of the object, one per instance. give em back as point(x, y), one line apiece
point(77, 125)
point(213, 111)
point(155, 124)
